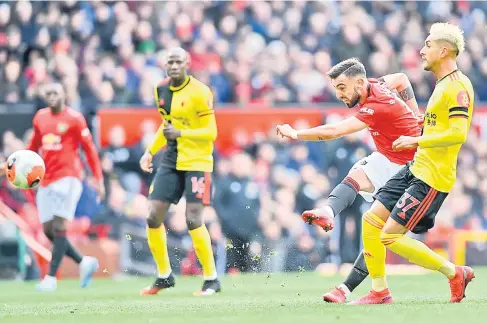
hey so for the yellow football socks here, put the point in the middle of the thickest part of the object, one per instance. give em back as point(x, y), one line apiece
point(418, 253)
point(374, 250)
point(157, 240)
point(202, 245)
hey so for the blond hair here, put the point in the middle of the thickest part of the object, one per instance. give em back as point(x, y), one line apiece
point(449, 33)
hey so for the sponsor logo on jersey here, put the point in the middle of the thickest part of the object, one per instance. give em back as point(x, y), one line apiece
point(366, 110)
point(51, 142)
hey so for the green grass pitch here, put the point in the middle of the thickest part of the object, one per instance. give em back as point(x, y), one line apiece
point(283, 298)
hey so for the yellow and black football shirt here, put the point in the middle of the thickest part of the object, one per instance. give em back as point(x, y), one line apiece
point(189, 108)
point(446, 125)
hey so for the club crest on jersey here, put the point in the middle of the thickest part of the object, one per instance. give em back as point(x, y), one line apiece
point(463, 99)
point(366, 110)
point(62, 128)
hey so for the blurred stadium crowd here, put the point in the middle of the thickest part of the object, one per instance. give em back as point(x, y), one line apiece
point(265, 52)
point(111, 53)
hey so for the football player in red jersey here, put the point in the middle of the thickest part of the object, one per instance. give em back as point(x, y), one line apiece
point(387, 117)
point(58, 132)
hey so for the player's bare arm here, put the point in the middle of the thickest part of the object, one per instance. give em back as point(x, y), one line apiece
point(324, 132)
point(400, 83)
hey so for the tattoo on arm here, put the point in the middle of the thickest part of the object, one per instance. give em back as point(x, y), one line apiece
point(407, 93)
point(321, 138)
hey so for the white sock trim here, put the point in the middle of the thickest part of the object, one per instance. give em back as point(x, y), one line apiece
point(212, 277)
point(164, 276)
point(345, 289)
point(330, 210)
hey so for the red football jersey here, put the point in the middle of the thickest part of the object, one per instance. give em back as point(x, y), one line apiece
point(57, 138)
point(388, 118)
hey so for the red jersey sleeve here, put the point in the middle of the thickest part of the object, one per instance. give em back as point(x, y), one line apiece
point(36, 139)
point(89, 147)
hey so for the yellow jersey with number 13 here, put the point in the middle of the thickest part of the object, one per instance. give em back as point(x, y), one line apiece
point(446, 125)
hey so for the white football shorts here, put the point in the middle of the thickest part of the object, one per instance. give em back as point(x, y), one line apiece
point(378, 169)
point(59, 198)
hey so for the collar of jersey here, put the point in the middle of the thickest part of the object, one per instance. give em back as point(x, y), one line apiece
point(177, 88)
point(444, 77)
point(369, 86)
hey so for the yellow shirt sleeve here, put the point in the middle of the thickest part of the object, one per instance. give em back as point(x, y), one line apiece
point(458, 105)
point(158, 142)
point(206, 114)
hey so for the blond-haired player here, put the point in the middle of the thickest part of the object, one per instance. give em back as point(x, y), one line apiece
point(410, 200)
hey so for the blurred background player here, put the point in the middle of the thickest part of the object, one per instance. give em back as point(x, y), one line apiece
point(188, 130)
point(411, 199)
point(387, 117)
point(58, 132)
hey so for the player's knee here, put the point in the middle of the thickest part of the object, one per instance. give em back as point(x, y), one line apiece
point(59, 224)
point(157, 212)
point(194, 216)
point(48, 231)
point(357, 178)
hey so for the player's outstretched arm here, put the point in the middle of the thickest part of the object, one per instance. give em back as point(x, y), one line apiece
point(400, 82)
point(324, 132)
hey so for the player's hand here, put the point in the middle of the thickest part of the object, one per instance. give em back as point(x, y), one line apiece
point(286, 131)
point(405, 143)
point(146, 162)
point(170, 132)
point(100, 190)
point(421, 120)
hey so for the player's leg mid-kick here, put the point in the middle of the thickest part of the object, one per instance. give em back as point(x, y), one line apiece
point(414, 196)
point(389, 117)
point(405, 204)
point(340, 198)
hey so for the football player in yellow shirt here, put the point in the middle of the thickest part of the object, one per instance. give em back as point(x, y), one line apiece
point(411, 199)
point(188, 131)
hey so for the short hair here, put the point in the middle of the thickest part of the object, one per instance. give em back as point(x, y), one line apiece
point(450, 33)
point(350, 67)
